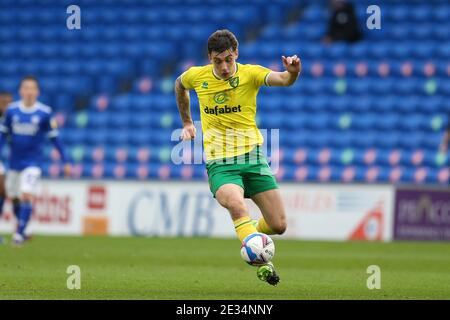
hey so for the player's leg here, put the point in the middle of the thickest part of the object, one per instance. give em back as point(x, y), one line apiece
point(2, 187)
point(225, 183)
point(262, 188)
point(228, 189)
point(273, 220)
point(29, 179)
point(16, 206)
point(12, 188)
point(26, 209)
point(2, 192)
point(231, 197)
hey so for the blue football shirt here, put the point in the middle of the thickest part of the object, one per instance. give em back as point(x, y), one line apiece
point(28, 129)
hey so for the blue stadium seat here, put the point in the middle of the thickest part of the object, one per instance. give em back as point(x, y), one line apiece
point(98, 120)
point(143, 121)
point(411, 141)
point(364, 121)
point(341, 139)
point(390, 122)
point(391, 142)
point(97, 137)
point(120, 121)
point(125, 60)
point(141, 138)
point(117, 138)
point(74, 136)
point(411, 123)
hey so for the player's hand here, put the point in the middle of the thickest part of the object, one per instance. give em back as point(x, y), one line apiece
point(67, 170)
point(188, 132)
point(292, 64)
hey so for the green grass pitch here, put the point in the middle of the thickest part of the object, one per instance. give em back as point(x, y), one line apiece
point(203, 268)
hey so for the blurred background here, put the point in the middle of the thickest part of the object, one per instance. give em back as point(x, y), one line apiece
point(363, 153)
point(371, 106)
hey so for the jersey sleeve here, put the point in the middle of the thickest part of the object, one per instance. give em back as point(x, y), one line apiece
point(259, 75)
point(50, 126)
point(5, 124)
point(187, 78)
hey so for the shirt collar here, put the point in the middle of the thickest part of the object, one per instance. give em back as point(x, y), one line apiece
point(31, 109)
point(219, 78)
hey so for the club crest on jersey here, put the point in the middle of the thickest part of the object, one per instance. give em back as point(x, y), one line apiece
point(35, 119)
point(220, 97)
point(205, 85)
point(234, 82)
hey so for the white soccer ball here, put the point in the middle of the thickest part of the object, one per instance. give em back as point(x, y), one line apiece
point(257, 248)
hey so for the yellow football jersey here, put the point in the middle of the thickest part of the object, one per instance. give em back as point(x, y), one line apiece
point(227, 108)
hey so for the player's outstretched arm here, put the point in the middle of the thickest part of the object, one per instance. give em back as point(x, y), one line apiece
point(286, 78)
point(183, 103)
point(58, 146)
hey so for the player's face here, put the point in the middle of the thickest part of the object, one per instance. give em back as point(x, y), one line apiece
point(29, 91)
point(224, 63)
point(5, 99)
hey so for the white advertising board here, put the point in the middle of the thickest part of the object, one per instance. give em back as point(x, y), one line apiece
point(154, 208)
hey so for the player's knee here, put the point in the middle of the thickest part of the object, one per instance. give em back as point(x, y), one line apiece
point(280, 226)
point(26, 197)
point(235, 206)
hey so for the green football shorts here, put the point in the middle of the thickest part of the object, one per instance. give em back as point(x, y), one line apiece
point(251, 171)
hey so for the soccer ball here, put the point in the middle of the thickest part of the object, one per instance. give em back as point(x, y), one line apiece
point(257, 249)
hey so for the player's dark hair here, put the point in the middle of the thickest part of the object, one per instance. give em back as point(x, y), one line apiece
point(30, 78)
point(5, 93)
point(222, 40)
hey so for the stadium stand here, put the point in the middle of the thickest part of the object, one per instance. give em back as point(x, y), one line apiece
point(370, 112)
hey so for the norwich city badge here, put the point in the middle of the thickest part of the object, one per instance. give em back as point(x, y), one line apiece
point(234, 82)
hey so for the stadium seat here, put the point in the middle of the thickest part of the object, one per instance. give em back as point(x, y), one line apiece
point(387, 92)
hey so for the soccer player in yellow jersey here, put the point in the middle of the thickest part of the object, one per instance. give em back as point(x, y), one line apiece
point(236, 167)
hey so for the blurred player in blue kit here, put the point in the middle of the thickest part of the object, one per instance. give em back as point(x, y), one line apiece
point(26, 125)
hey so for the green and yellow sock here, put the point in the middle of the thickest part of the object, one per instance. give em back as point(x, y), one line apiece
point(244, 227)
point(263, 227)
